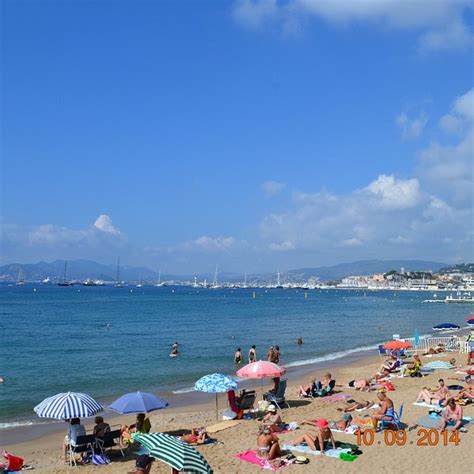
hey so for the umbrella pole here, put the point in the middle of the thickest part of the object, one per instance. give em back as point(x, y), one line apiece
point(217, 409)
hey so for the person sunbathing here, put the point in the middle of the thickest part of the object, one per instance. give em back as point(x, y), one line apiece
point(362, 384)
point(388, 367)
point(335, 425)
point(385, 412)
point(414, 369)
point(273, 420)
point(452, 415)
point(353, 405)
point(434, 397)
point(317, 442)
point(197, 436)
point(307, 390)
point(267, 444)
point(467, 393)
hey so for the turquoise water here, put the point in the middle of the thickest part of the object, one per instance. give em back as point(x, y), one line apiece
point(57, 339)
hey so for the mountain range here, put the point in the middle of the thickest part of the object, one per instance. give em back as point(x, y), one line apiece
point(83, 269)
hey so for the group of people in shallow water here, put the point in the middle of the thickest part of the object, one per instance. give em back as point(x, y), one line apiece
point(273, 355)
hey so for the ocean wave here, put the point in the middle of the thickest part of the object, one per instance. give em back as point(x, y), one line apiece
point(183, 390)
point(331, 356)
point(16, 424)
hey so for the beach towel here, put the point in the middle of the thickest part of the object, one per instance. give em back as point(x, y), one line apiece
point(427, 405)
point(251, 457)
point(351, 429)
point(373, 407)
point(430, 422)
point(223, 425)
point(337, 397)
point(304, 448)
point(438, 365)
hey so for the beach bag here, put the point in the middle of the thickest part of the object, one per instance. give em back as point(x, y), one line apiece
point(389, 386)
point(229, 415)
point(100, 459)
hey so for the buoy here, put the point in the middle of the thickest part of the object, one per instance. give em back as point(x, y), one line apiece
point(34, 289)
point(254, 295)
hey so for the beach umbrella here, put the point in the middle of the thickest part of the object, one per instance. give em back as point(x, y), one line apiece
point(216, 383)
point(174, 452)
point(470, 321)
point(137, 402)
point(445, 327)
point(65, 406)
point(261, 370)
point(397, 345)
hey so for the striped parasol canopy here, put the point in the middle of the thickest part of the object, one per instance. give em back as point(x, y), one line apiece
point(174, 452)
point(65, 406)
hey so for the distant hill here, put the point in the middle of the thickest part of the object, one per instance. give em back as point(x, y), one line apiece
point(83, 269)
point(459, 268)
point(363, 267)
point(76, 270)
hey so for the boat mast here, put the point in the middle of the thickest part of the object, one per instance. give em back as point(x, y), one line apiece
point(118, 270)
point(214, 283)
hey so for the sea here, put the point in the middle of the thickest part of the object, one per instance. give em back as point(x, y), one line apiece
point(108, 341)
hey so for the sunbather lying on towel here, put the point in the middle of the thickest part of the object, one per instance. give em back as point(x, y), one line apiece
point(334, 425)
point(317, 442)
point(197, 436)
point(362, 384)
point(434, 397)
point(467, 393)
point(452, 415)
point(353, 405)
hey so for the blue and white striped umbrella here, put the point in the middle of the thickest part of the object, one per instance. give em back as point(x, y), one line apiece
point(216, 383)
point(65, 406)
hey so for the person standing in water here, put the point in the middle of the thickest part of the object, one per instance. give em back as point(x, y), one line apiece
point(238, 356)
point(270, 354)
point(252, 354)
point(174, 349)
point(276, 355)
point(299, 341)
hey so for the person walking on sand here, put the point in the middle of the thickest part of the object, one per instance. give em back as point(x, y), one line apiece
point(252, 354)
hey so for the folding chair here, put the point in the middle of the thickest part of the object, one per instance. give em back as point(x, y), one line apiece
point(395, 421)
point(84, 445)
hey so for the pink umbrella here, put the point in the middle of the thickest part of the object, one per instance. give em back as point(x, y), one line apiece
point(261, 370)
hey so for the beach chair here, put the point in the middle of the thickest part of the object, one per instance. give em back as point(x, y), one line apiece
point(382, 351)
point(84, 445)
point(109, 441)
point(395, 421)
point(246, 400)
point(278, 398)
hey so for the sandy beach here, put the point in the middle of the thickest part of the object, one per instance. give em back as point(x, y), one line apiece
point(44, 453)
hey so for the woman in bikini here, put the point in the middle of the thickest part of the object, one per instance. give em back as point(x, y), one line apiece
point(434, 397)
point(267, 444)
point(353, 405)
point(317, 442)
point(197, 436)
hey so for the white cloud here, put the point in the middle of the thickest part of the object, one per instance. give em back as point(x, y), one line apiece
point(205, 243)
point(104, 224)
point(449, 168)
point(254, 13)
point(272, 188)
point(282, 246)
point(411, 127)
point(393, 193)
point(440, 22)
point(461, 115)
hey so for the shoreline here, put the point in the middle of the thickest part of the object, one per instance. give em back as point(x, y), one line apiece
point(183, 402)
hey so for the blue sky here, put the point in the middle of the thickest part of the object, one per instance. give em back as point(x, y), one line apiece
point(253, 134)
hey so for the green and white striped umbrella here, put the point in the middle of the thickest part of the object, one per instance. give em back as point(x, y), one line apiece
point(174, 452)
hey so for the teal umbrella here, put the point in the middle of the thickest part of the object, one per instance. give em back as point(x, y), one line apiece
point(174, 452)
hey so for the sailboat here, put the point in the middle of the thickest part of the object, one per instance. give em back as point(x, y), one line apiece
point(160, 283)
point(119, 283)
point(65, 282)
point(214, 282)
point(20, 280)
point(278, 285)
point(245, 281)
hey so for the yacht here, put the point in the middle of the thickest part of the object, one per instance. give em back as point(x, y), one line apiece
point(65, 281)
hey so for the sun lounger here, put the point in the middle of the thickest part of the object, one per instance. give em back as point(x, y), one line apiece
point(278, 398)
